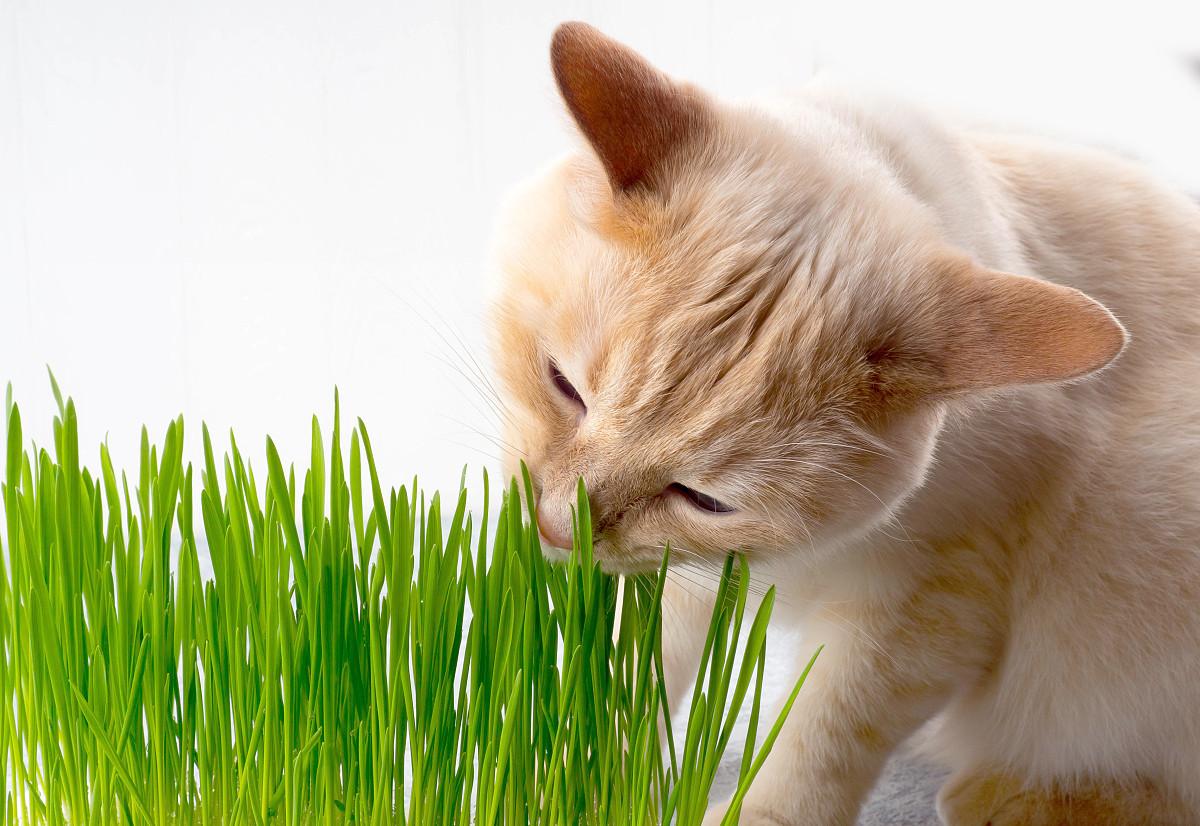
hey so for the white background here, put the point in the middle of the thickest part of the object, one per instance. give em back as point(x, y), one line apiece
point(226, 208)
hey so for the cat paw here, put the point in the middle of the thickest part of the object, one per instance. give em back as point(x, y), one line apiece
point(990, 798)
point(974, 798)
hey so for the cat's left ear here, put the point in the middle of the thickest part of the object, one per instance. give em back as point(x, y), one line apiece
point(995, 329)
point(634, 116)
point(979, 329)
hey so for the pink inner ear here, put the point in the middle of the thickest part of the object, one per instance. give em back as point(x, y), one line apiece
point(1010, 329)
point(632, 114)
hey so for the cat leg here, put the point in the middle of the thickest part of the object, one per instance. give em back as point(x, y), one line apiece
point(984, 797)
point(886, 669)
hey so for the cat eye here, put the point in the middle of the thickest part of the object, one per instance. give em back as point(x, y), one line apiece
point(700, 501)
point(565, 387)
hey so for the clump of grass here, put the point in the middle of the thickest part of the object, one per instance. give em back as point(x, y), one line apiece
point(361, 654)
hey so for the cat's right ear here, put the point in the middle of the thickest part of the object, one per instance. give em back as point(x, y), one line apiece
point(634, 116)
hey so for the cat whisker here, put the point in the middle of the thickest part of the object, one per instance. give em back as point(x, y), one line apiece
point(465, 353)
point(788, 499)
point(509, 448)
point(891, 516)
point(471, 370)
point(698, 589)
point(499, 460)
point(449, 325)
point(697, 564)
point(492, 407)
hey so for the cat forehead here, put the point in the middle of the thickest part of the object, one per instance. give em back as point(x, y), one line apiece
point(737, 269)
point(717, 279)
point(717, 224)
point(698, 361)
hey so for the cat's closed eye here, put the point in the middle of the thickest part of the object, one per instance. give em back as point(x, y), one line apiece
point(700, 501)
point(565, 387)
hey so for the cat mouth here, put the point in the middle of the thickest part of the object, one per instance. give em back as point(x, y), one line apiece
point(640, 561)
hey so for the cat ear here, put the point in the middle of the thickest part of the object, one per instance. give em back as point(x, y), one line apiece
point(1006, 329)
point(633, 115)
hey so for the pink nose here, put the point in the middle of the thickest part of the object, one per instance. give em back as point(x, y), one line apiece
point(550, 531)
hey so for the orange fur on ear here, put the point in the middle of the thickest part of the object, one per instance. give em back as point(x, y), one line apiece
point(1007, 329)
point(632, 114)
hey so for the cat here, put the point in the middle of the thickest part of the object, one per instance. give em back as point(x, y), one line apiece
point(939, 386)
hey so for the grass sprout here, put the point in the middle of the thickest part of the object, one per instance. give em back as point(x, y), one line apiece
point(360, 653)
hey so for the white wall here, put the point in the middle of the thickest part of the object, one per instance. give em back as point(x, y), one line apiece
point(225, 208)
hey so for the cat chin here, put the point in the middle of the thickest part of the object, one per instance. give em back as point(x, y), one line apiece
point(628, 567)
point(616, 567)
point(553, 554)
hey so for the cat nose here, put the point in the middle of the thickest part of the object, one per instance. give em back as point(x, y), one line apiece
point(551, 529)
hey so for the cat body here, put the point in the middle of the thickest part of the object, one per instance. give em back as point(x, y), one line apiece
point(939, 385)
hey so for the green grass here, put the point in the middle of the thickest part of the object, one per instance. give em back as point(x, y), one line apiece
point(360, 654)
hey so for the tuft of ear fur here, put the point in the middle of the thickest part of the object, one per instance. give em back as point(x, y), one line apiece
point(633, 115)
point(1002, 330)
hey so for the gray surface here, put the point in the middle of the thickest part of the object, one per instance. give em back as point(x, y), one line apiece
point(904, 795)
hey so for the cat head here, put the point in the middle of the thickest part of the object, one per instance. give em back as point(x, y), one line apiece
point(741, 334)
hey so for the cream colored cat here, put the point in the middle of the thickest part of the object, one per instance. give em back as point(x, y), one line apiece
point(792, 329)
